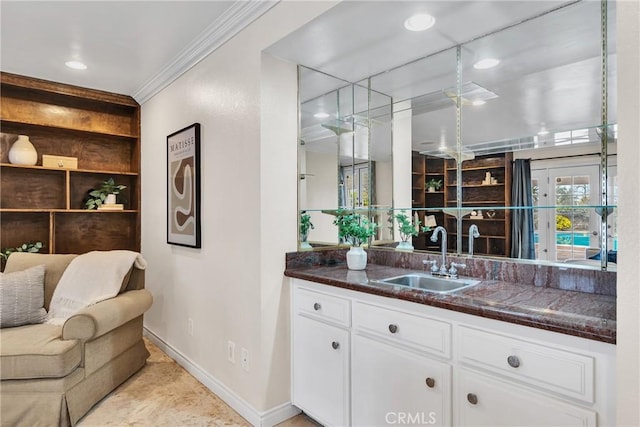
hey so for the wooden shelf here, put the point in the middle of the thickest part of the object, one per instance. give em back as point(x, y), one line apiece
point(498, 230)
point(79, 93)
point(477, 185)
point(56, 128)
point(87, 211)
point(481, 236)
point(38, 203)
point(94, 171)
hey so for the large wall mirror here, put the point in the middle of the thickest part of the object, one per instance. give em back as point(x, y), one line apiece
point(514, 157)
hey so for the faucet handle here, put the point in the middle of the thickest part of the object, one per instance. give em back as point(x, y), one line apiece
point(454, 268)
point(433, 262)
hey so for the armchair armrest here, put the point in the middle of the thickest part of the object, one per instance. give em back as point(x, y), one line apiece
point(98, 319)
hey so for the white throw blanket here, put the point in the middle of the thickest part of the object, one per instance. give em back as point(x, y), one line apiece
point(91, 278)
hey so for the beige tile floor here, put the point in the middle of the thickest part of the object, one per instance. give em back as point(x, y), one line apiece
point(164, 394)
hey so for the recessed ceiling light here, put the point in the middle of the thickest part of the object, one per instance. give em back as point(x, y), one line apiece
point(76, 65)
point(478, 102)
point(419, 22)
point(483, 64)
point(321, 115)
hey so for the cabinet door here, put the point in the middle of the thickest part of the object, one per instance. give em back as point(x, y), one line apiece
point(485, 401)
point(395, 386)
point(321, 370)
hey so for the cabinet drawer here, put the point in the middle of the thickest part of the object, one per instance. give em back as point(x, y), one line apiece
point(322, 306)
point(570, 374)
point(421, 333)
point(482, 400)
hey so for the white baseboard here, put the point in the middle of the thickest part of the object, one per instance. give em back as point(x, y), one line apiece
point(256, 418)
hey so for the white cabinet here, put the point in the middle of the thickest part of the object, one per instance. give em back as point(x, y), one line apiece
point(563, 372)
point(320, 357)
point(366, 360)
point(487, 401)
point(391, 385)
point(395, 378)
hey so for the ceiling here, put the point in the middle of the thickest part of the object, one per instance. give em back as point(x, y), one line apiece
point(549, 76)
point(358, 39)
point(130, 47)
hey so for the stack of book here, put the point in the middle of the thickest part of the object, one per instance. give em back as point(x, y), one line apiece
point(111, 207)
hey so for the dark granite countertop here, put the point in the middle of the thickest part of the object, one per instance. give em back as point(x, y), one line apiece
point(581, 314)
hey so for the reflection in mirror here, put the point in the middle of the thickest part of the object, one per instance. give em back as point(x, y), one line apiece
point(324, 102)
point(523, 148)
point(380, 163)
point(539, 107)
point(345, 158)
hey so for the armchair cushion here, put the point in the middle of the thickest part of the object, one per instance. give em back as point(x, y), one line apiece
point(22, 297)
point(36, 351)
point(96, 320)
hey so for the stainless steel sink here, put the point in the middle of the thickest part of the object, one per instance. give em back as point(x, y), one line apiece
point(429, 283)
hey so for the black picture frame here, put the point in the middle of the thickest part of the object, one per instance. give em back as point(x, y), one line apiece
point(183, 187)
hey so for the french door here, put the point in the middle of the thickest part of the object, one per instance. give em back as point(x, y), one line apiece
point(564, 224)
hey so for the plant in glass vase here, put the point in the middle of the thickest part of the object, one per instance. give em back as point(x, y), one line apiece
point(355, 229)
point(305, 226)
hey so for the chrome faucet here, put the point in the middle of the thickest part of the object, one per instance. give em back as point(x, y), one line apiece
point(473, 234)
point(443, 247)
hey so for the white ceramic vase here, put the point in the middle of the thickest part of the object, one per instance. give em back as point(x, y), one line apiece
point(23, 152)
point(356, 258)
point(110, 200)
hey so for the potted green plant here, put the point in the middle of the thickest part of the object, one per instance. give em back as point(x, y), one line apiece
point(355, 229)
point(407, 229)
point(105, 194)
point(305, 226)
point(433, 185)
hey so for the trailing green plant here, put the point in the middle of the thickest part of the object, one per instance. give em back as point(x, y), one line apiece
point(305, 224)
point(97, 197)
point(353, 228)
point(435, 183)
point(25, 247)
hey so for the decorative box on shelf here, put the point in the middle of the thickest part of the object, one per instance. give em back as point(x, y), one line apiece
point(61, 162)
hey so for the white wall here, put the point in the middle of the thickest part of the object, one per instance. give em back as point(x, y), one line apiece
point(322, 193)
point(628, 318)
point(232, 288)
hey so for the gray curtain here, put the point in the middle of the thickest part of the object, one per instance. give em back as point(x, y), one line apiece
point(342, 197)
point(372, 184)
point(522, 238)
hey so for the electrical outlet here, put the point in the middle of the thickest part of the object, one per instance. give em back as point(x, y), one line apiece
point(231, 351)
point(245, 359)
point(190, 326)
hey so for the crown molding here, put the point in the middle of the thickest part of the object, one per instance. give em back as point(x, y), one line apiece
point(227, 25)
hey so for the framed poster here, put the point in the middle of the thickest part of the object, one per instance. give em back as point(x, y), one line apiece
point(183, 187)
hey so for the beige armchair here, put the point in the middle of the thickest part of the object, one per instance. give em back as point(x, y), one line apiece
point(52, 375)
